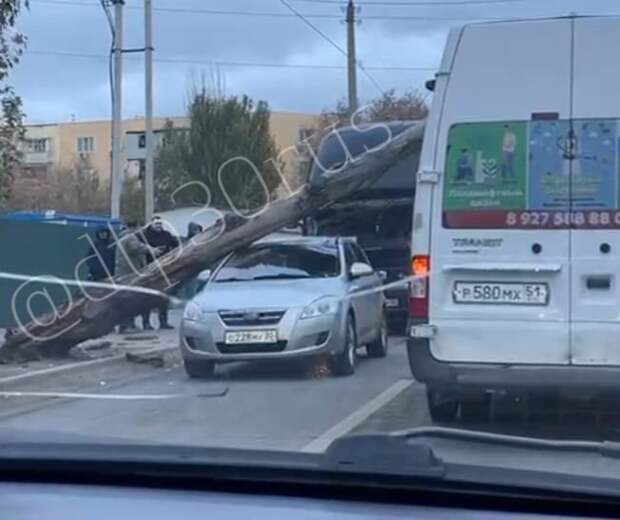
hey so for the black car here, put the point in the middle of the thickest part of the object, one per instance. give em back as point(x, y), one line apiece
point(381, 215)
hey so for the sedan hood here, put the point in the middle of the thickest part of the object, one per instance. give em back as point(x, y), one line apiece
point(266, 293)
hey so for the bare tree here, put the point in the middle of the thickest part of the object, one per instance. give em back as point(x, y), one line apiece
point(387, 107)
point(77, 188)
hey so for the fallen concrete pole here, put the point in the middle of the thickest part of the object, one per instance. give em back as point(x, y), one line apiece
point(95, 316)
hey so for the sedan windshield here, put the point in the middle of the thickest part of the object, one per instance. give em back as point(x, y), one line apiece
point(281, 261)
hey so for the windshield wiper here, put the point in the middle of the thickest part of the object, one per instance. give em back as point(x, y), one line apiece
point(427, 453)
point(281, 276)
point(605, 448)
point(411, 452)
point(381, 453)
point(403, 440)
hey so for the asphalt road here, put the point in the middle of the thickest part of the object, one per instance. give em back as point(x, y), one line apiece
point(286, 405)
point(277, 405)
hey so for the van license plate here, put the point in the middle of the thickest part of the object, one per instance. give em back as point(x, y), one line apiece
point(501, 293)
point(251, 336)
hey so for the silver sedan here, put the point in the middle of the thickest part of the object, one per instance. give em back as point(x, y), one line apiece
point(285, 298)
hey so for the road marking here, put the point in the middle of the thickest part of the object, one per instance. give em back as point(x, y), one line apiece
point(320, 444)
point(77, 395)
point(81, 364)
point(112, 397)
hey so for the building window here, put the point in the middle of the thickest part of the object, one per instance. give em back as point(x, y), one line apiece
point(36, 145)
point(305, 133)
point(85, 144)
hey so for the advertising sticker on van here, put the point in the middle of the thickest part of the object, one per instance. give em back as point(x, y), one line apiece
point(486, 166)
point(541, 174)
point(573, 167)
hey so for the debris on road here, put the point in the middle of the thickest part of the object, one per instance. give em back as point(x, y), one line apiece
point(95, 345)
point(152, 338)
point(91, 349)
point(154, 359)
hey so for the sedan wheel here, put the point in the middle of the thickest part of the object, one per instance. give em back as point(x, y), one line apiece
point(344, 362)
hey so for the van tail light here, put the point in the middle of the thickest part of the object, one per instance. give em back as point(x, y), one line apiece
point(419, 287)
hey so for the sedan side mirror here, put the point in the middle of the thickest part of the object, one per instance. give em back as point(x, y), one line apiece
point(203, 276)
point(359, 269)
point(202, 279)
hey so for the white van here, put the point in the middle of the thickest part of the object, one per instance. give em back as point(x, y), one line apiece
point(517, 213)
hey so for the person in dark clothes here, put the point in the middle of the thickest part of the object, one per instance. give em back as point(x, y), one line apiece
point(101, 255)
point(189, 288)
point(163, 241)
point(193, 229)
point(131, 257)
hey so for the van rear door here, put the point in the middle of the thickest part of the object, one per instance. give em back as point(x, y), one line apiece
point(595, 230)
point(499, 284)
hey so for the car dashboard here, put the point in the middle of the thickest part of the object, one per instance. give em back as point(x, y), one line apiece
point(25, 501)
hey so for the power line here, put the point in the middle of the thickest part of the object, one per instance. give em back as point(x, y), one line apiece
point(427, 3)
point(230, 63)
point(193, 11)
point(304, 19)
point(332, 42)
point(439, 18)
point(285, 16)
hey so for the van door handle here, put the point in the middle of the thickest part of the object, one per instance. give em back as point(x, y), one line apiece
point(598, 282)
point(508, 267)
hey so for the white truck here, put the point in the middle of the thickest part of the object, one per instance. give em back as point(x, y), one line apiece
point(516, 226)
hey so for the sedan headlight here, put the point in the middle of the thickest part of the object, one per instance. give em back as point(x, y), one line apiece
point(322, 307)
point(193, 312)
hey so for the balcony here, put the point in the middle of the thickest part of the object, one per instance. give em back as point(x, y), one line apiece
point(32, 158)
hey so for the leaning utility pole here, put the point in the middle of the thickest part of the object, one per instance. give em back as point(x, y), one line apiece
point(117, 129)
point(351, 60)
point(149, 190)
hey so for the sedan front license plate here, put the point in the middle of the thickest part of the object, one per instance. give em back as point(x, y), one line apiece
point(391, 302)
point(251, 336)
point(512, 293)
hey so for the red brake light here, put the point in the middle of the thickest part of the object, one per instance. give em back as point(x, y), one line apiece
point(419, 287)
point(420, 264)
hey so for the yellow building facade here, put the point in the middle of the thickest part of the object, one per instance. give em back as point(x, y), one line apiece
point(61, 145)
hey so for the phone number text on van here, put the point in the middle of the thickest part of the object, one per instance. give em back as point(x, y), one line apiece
point(590, 219)
point(532, 219)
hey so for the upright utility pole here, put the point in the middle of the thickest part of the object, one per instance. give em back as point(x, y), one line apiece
point(149, 190)
point(117, 129)
point(351, 59)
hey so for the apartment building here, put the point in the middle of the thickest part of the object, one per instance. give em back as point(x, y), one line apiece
point(47, 146)
point(41, 148)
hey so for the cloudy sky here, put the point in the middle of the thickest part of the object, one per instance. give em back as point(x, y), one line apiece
point(64, 73)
